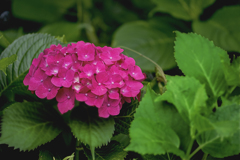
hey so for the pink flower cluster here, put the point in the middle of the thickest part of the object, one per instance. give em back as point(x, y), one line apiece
point(99, 76)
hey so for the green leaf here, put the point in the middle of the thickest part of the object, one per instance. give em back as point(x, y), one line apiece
point(123, 139)
point(61, 39)
point(6, 62)
point(182, 9)
point(89, 128)
point(26, 48)
point(41, 10)
point(156, 127)
point(222, 28)
point(45, 155)
point(198, 57)
point(232, 72)
point(113, 151)
point(187, 94)
point(69, 29)
point(28, 125)
point(153, 38)
point(230, 100)
point(220, 137)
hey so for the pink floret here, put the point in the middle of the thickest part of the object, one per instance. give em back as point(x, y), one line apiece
point(102, 77)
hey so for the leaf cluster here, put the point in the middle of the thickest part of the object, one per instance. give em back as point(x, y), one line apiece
point(197, 107)
point(198, 114)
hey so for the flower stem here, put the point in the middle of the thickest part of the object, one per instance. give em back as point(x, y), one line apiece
point(168, 156)
point(77, 150)
point(159, 72)
point(205, 156)
point(190, 147)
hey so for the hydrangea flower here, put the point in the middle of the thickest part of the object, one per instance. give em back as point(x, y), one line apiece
point(101, 77)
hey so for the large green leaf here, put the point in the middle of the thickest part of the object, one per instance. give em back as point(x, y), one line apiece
point(89, 128)
point(187, 94)
point(222, 28)
point(113, 151)
point(198, 57)
point(41, 10)
point(28, 125)
point(153, 38)
point(157, 127)
point(183, 9)
point(220, 132)
point(26, 48)
point(69, 29)
point(6, 62)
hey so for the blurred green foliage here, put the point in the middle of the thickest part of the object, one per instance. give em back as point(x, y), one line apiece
point(145, 26)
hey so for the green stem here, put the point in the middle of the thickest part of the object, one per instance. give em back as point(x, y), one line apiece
point(157, 66)
point(77, 150)
point(190, 147)
point(168, 156)
point(84, 18)
point(230, 91)
point(205, 156)
point(140, 55)
point(79, 11)
point(200, 147)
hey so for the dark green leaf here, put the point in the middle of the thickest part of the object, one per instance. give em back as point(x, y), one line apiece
point(124, 119)
point(113, 151)
point(220, 132)
point(8, 36)
point(45, 155)
point(198, 57)
point(28, 125)
point(4, 62)
point(153, 38)
point(118, 12)
point(222, 28)
point(89, 128)
point(154, 130)
point(26, 48)
point(183, 9)
point(40, 10)
point(69, 29)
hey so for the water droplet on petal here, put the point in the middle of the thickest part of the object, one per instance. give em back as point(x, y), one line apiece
point(110, 57)
point(112, 82)
point(108, 104)
point(68, 97)
point(49, 90)
point(64, 78)
point(99, 84)
point(86, 55)
point(133, 73)
point(86, 94)
point(57, 61)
